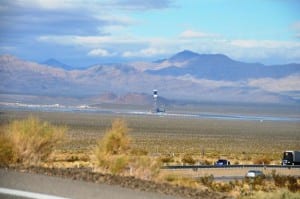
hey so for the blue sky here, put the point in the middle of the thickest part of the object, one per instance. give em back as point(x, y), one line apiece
point(81, 33)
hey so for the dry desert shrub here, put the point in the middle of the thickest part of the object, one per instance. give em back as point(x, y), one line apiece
point(188, 159)
point(115, 141)
point(262, 160)
point(290, 182)
point(7, 153)
point(114, 155)
point(279, 194)
point(33, 140)
point(144, 167)
point(180, 180)
point(207, 180)
point(167, 159)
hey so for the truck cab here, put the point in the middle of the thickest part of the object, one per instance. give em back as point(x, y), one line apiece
point(291, 158)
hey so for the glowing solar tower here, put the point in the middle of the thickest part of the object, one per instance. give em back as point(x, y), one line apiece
point(155, 96)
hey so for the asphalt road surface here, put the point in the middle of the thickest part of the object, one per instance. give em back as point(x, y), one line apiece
point(18, 185)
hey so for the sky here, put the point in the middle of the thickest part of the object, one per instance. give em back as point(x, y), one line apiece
point(81, 33)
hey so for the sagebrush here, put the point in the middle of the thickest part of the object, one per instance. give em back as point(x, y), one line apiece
point(115, 155)
point(31, 140)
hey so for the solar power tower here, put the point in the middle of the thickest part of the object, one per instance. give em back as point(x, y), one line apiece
point(155, 106)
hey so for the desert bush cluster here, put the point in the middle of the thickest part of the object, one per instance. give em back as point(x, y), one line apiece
point(289, 182)
point(29, 141)
point(115, 155)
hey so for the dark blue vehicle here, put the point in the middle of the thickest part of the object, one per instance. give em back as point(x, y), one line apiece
point(222, 162)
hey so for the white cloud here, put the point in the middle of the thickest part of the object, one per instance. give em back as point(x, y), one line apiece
point(100, 53)
point(117, 19)
point(49, 4)
point(88, 41)
point(190, 34)
point(128, 45)
point(264, 44)
point(95, 4)
point(147, 52)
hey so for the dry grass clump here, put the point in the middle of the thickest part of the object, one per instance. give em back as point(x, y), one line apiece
point(279, 194)
point(188, 159)
point(290, 182)
point(166, 159)
point(30, 141)
point(114, 154)
point(262, 160)
point(7, 153)
point(144, 167)
point(207, 180)
point(116, 140)
point(180, 181)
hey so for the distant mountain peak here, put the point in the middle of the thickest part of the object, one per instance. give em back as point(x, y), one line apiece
point(184, 55)
point(56, 64)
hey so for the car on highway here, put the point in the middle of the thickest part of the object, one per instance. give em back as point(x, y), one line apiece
point(254, 174)
point(222, 162)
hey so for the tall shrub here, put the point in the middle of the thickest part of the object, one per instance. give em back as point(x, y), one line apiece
point(115, 155)
point(34, 140)
point(113, 147)
point(116, 140)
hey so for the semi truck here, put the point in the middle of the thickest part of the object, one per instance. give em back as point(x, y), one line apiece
point(291, 158)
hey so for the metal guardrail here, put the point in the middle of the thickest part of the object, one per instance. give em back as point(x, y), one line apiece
point(230, 166)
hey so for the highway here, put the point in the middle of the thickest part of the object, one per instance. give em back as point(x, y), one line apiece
point(18, 185)
point(228, 172)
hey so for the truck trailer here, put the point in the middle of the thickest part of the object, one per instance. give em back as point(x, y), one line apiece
point(291, 158)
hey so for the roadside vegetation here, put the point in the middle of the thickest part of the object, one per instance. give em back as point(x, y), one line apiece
point(29, 141)
point(109, 146)
point(283, 187)
point(114, 154)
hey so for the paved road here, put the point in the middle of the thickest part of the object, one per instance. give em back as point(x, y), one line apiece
point(65, 188)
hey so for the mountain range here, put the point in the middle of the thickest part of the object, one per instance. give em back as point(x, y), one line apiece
point(57, 64)
point(220, 67)
point(184, 76)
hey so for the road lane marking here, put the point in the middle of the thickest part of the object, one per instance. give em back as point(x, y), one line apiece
point(27, 194)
